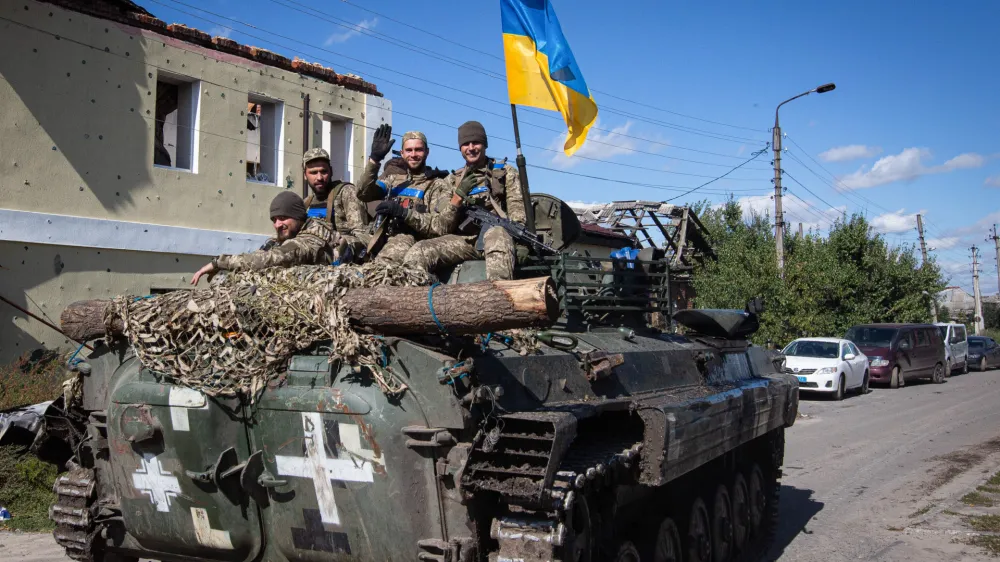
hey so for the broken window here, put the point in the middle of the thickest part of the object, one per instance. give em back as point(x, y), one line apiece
point(175, 135)
point(264, 132)
point(337, 135)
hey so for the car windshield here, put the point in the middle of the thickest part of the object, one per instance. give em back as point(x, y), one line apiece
point(871, 337)
point(975, 344)
point(821, 349)
point(944, 332)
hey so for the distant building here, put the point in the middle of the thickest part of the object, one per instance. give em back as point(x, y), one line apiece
point(958, 302)
point(135, 150)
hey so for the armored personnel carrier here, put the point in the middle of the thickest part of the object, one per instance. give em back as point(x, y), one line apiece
point(610, 435)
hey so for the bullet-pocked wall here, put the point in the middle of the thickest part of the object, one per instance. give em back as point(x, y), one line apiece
point(128, 158)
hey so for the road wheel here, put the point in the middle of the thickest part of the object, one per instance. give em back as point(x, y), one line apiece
point(722, 525)
point(699, 535)
point(864, 385)
point(841, 385)
point(741, 513)
point(579, 545)
point(896, 380)
point(938, 376)
point(668, 543)
point(627, 552)
point(982, 364)
point(758, 500)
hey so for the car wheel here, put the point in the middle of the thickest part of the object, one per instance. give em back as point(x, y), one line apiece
point(864, 385)
point(938, 376)
point(896, 380)
point(840, 388)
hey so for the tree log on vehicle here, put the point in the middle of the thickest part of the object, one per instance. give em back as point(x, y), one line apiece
point(466, 308)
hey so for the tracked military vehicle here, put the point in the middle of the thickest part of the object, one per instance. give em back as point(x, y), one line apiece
point(627, 431)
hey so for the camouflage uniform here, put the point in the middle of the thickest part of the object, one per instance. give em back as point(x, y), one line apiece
point(498, 185)
point(349, 214)
point(313, 245)
point(413, 191)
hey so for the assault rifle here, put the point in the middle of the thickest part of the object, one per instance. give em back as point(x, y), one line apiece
point(487, 220)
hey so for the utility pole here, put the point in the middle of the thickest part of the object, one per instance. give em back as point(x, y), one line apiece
point(779, 216)
point(923, 252)
point(975, 291)
point(800, 230)
point(996, 242)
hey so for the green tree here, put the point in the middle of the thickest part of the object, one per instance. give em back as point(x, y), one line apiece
point(831, 283)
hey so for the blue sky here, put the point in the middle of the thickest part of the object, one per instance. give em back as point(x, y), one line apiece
point(911, 128)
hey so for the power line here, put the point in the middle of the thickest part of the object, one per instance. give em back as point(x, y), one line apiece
point(292, 106)
point(497, 57)
point(674, 126)
point(738, 166)
point(791, 177)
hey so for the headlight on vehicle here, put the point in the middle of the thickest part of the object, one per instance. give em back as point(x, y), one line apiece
point(827, 371)
point(879, 362)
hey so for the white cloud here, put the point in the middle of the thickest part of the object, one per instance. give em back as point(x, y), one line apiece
point(899, 221)
point(220, 32)
point(796, 210)
point(599, 144)
point(343, 36)
point(943, 243)
point(992, 181)
point(850, 152)
point(908, 165)
point(741, 150)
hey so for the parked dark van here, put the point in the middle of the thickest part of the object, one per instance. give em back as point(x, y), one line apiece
point(900, 352)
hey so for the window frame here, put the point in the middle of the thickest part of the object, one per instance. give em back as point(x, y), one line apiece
point(271, 128)
point(188, 102)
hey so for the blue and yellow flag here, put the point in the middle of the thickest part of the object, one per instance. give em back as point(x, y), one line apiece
point(541, 69)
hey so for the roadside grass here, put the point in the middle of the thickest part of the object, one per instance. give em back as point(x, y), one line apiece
point(989, 489)
point(985, 523)
point(921, 511)
point(25, 490)
point(989, 543)
point(25, 481)
point(32, 378)
point(994, 480)
point(977, 499)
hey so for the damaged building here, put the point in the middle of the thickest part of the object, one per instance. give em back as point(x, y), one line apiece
point(131, 151)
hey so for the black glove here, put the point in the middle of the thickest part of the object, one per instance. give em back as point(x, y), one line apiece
point(391, 209)
point(382, 142)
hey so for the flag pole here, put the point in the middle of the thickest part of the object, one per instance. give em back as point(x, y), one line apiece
point(522, 172)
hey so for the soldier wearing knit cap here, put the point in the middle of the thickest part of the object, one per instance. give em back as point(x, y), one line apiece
point(405, 197)
point(487, 183)
point(299, 240)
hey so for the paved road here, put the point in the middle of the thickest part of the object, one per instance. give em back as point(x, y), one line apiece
point(858, 474)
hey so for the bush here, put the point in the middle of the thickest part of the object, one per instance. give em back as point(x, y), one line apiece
point(25, 490)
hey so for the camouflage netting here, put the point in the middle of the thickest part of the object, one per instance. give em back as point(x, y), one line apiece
point(236, 335)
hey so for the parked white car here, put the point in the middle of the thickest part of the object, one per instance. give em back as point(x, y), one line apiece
point(827, 365)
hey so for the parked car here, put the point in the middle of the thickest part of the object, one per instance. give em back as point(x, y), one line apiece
point(901, 352)
point(956, 346)
point(984, 352)
point(827, 365)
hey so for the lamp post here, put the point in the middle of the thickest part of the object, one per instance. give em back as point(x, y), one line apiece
point(779, 217)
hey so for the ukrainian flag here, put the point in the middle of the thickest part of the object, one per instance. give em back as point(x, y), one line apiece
point(541, 70)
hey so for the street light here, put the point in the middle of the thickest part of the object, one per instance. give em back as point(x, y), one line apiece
point(779, 217)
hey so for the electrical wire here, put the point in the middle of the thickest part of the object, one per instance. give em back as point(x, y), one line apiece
point(674, 126)
point(497, 57)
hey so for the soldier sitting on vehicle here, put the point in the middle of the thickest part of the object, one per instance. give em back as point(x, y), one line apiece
point(406, 194)
point(483, 182)
point(335, 201)
point(299, 240)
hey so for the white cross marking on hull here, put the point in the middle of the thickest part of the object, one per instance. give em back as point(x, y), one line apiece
point(181, 399)
point(151, 480)
point(351, 463)
point(205, 534)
